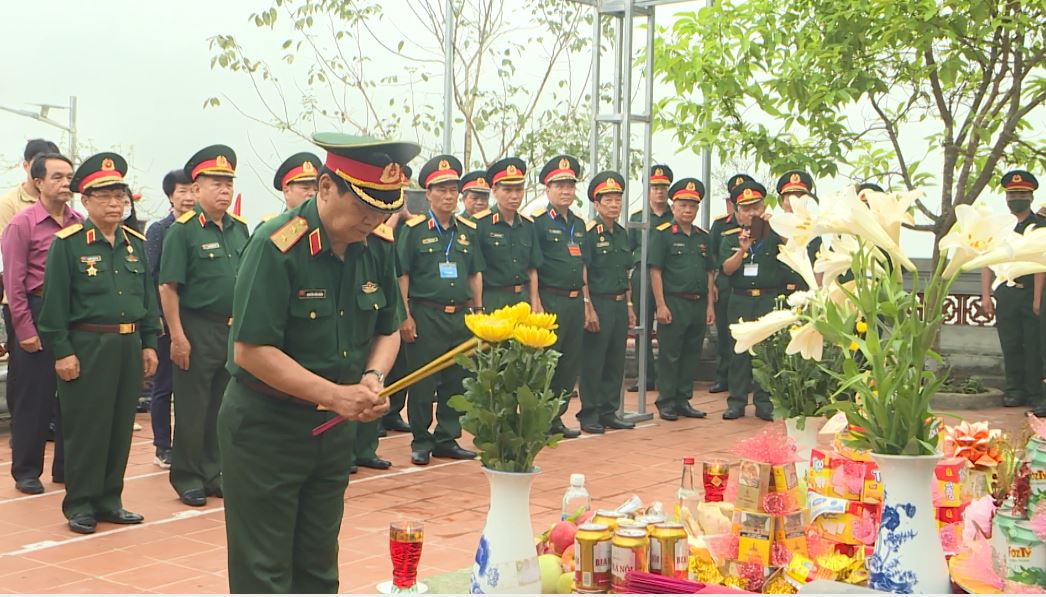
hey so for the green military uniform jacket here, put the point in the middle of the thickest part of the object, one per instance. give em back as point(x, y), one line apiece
point(715, 234)
point(1036, 220)
point(559, 238)
point(684, 260)
point(424, 250)
point(508, 250)
point(607, 253)
point(203, 260)
point(760, 268)
point(791, 280)
point(295, 294)
point(88, 281)
point(634, 235)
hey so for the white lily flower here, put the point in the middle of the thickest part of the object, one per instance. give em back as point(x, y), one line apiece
point(1007, 273)
point(1030, 246)
point(846, 214)
point(794, 255)
point(749, 333)
point(799, 226)
point(807, 341)
point(801, 298)
point(892, 210)
point(978, 232)
point(836, 259)
point(837, 293)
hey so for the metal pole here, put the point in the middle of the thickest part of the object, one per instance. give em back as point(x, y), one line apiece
point(593, 137)
point(706, 169)
point(448, 74)
point(615, 102)
point(72, 128)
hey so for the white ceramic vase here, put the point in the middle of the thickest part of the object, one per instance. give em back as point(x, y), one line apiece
point(506, 559)
point(908, 556)
point(805, 440)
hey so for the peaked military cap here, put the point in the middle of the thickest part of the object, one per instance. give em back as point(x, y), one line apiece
point(442, 168)
point(661, 174)
point(737, 180)
point(561, 167)
point(869, 186)
point(690, 189)
point(1019, 180)
point(374, 168)
point(300, 167)
point(605, 182)
point(507, 171)
point(475, 181)
point(748, 192)
point(795, 181)
point(104, 169)
point(215, 160)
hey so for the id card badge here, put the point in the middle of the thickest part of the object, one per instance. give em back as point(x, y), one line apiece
point(448, 270)
point(751, 270)
point(574, 249)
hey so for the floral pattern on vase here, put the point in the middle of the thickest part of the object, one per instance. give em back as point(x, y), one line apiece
point(884, 567)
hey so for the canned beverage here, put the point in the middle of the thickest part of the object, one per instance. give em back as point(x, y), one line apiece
point(651, 520)
point(669, 550)
point(630, 523)
point(609, 518)
point(628, 552)
point(592, 545)
point(1025, 553)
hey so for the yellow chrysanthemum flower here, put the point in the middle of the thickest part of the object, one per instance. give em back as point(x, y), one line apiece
point(861, 327)
point(490, 328)
point(545, 321)
point(534, 337)
point(853, 345)
point(517, 313)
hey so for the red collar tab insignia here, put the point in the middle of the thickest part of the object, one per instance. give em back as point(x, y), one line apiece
point(392, 173)
point(308, 168)
point(512, 170)
point(432, 223)
point(315, 244)
point(495, 218)
point(202, 219)
point(552, 213)
point(599, 229)
point(107, 164)
point(675, 228)
point(443, 165)
point(89, 236)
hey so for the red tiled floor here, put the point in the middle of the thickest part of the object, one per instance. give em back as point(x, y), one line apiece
point(182, 550)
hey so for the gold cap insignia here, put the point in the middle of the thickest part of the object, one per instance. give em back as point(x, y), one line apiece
point(795, 178)
point(308, 168)
point(511, 170)
point(738, 181)
point(612, 184)
point(659, 172)
point(482, 182)
point(221, 161)
point(391, 174)
point(564, 164)
point(748, 194)
point(690, 186)
point(107, 164)
point(443, 165)
point(1016, 177)
point(369, 287)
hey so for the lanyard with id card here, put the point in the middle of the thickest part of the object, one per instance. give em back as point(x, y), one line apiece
point(573, 248)
point(751, 269)
point(448, 270)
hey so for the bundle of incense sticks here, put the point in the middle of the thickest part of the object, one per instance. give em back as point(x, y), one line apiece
point(645, 583)
point(438, 364)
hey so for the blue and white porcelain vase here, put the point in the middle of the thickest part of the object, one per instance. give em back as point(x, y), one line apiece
point(908, 556)
point(506, 559)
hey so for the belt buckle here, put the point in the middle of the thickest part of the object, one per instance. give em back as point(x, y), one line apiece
point(449, 309)
point(790, 287)
point(517, 288)
point(573, 293)
point(228, 322)
point(618, 298)
point(756, 292)
point(126, 328)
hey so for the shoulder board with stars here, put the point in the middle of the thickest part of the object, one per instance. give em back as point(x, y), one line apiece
point(531, 220)
point(290, 233)
point(466, 222)
point(731, 231)
point(237, 218)
point(537, 213)
point(268, 217)
point(664, 226)
point(185, 217)
point(133, 232)
point(414, 221)
point(479, 215)
point(592, 224)
point(69, 230)
point(384, 232)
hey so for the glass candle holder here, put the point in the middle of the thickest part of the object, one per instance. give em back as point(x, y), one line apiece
point(405, 540)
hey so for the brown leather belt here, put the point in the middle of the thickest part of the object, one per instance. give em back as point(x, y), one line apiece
point(754, 291)
point(513, 288)
point(610, 296)
point(448, 309)
point(271, 392)
point(562, 291)
point(105, 328)
point(690, 296)
point(211, 316)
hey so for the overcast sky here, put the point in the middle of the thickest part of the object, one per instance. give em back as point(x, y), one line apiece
point(141, 72)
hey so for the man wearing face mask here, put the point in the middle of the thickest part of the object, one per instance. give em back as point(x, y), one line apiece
point(201, 256)
point(1017, 320)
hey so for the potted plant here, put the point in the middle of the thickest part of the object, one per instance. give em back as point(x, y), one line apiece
point(886, 319)
point(508, 408)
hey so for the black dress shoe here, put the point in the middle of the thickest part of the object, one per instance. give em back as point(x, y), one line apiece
point(635, 387)
point(454, 452)
point(667, 414)
point(59, 478)
point(617, 423)
point(566, 432)
point(594, 428)
point(382, 432)
point(718, 388)
point(395, 423)
point(84, 524)
point(30, 486)
point(1039, 411)
point(215, 491)
point(354, 469)
point(194, 498)
point(377, 463)
point(1011, 401)
point(733, 413)
point(120, 516)
point(688, 411)
point(764, 415)
point(420, 458)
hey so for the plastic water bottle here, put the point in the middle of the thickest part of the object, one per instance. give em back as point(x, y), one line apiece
point(576, 500)
point(687, 496)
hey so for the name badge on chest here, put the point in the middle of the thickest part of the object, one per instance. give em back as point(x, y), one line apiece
point(751, 270)
point(448, 270)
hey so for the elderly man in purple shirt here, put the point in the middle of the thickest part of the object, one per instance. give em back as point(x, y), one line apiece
point(31, 381)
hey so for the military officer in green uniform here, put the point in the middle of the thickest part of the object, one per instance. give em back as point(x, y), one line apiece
point(682, 265)
point(608, 257)
point(790, 186)
point(393, 420)
point(748, 254)
point(315, 319)
point(296, 179)
point(440, 277)
point(507, 239)
point(660, 177)
point(475, 193)
point(201, 254)
point(722, 289)
point(1015, 318)
point(561, 276)
point(100, 319)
